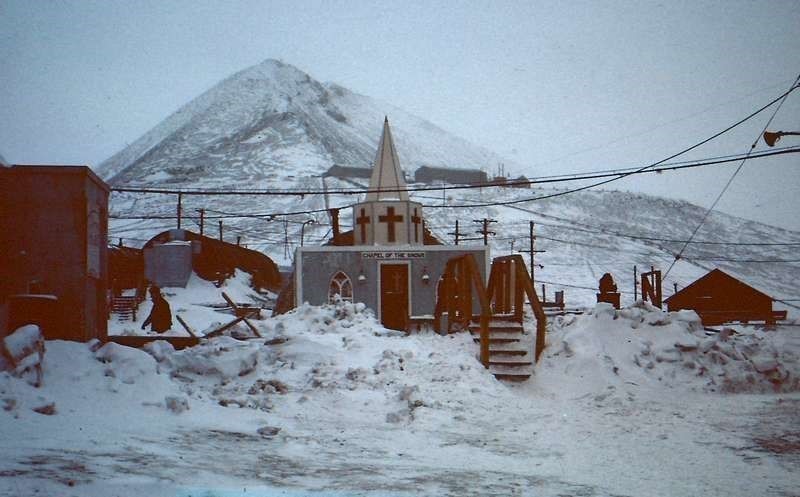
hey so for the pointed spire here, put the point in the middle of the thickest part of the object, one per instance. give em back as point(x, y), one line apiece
point(386, 172)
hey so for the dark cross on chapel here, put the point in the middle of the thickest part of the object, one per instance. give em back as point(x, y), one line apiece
point(416, 220)
point(390, 218)
point(362, 221)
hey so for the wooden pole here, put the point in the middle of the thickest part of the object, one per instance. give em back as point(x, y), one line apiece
point(180, 201)
point(532, 242)
point(532, 250)
point(220, 230)
point(485, 229)
point(635, 283)
point(202, 219)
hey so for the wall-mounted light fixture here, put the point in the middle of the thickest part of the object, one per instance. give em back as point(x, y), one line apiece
point(425, 276)
point(361, 277)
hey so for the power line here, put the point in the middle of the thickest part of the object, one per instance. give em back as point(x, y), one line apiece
point(735, 173)
point(574, 286)
point(622, 172)
point(713, 259)
point(657, 126)
point(637, 171)
point(509, 203)
point(640, 237)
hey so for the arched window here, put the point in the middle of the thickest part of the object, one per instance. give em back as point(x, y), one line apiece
point(340, 285)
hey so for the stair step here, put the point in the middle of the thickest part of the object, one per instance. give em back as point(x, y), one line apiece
point(512, 377)
point(494, 340)
point(500, 368)
point(498, 331)
point(516, 364)
point(495, 352)
point(497, 336)
point(497, 325)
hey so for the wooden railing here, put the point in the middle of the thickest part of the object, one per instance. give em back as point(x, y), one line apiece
point(460, 278)
point(509, 284)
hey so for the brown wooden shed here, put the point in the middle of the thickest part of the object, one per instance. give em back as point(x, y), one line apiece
point(720, 298)
point(53, 255)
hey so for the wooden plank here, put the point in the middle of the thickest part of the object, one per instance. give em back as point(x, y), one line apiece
point(139, 341)
point(185, 326)
point(243, 317)
point(222, 328)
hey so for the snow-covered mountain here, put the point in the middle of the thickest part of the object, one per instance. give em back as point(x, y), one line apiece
point(271, 121)
point(273, 126)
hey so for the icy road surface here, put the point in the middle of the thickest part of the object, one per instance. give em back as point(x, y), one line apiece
point(345, 407)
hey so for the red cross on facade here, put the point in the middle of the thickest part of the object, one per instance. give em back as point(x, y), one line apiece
point(390, 218)
point(362, 221)
point(416, 220)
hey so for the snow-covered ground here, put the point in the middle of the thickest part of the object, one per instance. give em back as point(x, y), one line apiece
point(633, 402)
point(197, 304)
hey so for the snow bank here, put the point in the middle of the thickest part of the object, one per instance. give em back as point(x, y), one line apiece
point(23, 341)
point(126, 363)
point(644, 345)
point(23, 351)
point(339, 350)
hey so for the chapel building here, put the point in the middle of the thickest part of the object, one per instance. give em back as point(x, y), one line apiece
point(390, 261)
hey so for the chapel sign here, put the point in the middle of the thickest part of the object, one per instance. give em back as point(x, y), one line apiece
point(393, 254)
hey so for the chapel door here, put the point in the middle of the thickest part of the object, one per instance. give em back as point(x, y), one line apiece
point(394, 296)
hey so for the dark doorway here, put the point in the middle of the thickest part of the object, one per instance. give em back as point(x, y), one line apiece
point(394, 296)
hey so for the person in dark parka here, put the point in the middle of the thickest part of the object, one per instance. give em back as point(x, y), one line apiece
point(160, 318)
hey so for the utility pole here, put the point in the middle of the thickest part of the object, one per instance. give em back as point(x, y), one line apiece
point(202, 219)
point(485, 229)
point(286, 238)
point(635, 285)
point(180, 201)
point(532, 250)
point(220, 230)
point(456, 233)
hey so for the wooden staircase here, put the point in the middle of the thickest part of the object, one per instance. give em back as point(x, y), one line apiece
point(505, 349)
point(509, 350)
point(125, 307)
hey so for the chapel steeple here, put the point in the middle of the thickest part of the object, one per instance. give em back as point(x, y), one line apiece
point(387, 217)
point(386, 171)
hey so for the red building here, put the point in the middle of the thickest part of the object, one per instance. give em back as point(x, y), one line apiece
point(53, 257)
point(720, 298)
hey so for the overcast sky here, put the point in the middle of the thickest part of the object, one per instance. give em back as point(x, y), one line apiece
point(556, 87)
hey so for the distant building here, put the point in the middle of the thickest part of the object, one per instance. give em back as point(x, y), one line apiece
point(338, 171)
point(519, 182)
point(430, 174)
point(53, 236)
point(720, 298)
